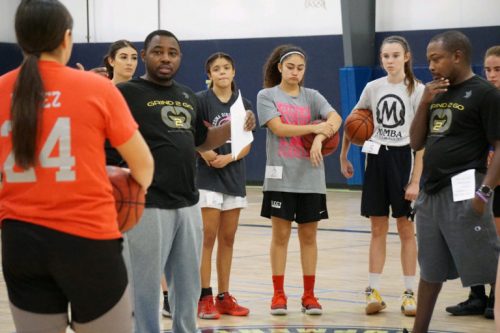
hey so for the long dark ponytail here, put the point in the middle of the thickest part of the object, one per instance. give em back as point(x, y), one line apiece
point(40, 27)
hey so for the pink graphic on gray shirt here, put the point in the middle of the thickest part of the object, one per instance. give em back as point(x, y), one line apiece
point(291, 147)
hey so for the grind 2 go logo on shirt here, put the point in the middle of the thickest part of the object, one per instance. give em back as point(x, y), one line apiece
point(176, 117)
point(440, 121)
point(442, 116)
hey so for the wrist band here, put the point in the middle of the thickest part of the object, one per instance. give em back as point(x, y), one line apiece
point(481, 196)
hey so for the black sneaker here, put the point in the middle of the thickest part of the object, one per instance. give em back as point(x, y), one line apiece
point(166, 307)
point(474, 305)
point(405, 331)
point(490, 306)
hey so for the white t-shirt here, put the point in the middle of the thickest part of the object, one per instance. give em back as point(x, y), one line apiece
point(288, 167)
point(392, 108)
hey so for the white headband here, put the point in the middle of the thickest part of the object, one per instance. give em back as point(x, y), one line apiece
point(290, 53)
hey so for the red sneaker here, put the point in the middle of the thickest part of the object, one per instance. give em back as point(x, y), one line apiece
point(229, 306)
point(206, 308)
point(278, 304)
point(310, 305)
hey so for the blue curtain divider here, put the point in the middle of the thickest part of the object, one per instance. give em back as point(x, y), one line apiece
point(352, 82)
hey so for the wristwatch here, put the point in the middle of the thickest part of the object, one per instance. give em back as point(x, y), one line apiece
point(485, 191)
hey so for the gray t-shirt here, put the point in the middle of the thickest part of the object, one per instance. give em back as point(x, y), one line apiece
point(288, 167)
point(392, 108)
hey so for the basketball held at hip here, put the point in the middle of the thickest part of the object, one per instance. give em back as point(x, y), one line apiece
point(129, 197)
point(358, 126)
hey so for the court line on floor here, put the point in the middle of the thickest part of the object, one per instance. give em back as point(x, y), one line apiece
point(319, 229)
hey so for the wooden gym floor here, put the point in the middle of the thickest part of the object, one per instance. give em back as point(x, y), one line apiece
point(343, 243)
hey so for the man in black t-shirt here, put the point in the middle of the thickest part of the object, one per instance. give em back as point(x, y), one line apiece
point(456, 122)
point(168, 238)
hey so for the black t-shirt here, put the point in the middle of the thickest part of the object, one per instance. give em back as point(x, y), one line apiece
point(168, 121)
point(230, 179)
point(463, 122)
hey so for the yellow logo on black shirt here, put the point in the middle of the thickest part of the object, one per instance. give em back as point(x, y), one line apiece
point(176, 117)
point(440, 121)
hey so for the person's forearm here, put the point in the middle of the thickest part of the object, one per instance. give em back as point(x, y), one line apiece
point(419, 126)
point(244, 152)
point(334, 119)
point(346, 144)
point(418, 166)
point(216, 137)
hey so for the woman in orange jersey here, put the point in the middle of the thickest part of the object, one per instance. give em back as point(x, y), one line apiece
point(60, 243)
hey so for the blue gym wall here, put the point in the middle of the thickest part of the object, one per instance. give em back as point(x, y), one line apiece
point(325, 59)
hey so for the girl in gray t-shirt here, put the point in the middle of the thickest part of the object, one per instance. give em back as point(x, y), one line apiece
point(294, 184)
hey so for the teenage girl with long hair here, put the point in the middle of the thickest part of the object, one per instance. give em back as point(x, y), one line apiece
point(294, 184)
point(221, 182)
point(61, 246)
point(392, 175)
point(121, 61)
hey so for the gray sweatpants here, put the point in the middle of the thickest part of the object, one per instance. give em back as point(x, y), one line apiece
point(454, 241)
point(166, 241)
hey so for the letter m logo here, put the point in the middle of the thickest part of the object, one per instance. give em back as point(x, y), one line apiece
point(390, 111)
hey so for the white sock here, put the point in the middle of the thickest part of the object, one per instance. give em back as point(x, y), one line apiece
point(374, 280)
point(409, 282)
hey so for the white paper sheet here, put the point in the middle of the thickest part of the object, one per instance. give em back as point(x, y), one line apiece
point(370, 147)
point(274, 172)
point(239, 137)
point(463, 185)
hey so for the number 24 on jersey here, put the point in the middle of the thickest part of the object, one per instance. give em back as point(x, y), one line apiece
point(60, 136)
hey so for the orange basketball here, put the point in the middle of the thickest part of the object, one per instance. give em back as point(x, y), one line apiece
point(329, 145)
point(358, 127)
point(129, 197)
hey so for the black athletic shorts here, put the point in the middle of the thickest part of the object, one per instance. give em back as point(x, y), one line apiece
point(496, 202)
point(386, 177)
point(45, 270)
point(298, 207)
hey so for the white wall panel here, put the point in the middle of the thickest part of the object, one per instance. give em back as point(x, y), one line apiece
point(122, 19)
point(110, 20)
point(8, 10)
point(224, 19)
point(78, 10)
point(398, 15)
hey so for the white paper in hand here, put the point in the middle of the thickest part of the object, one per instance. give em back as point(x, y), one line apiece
point(463, 185)
point(239, 137)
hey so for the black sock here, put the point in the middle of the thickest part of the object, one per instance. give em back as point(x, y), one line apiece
point(206, 292)
point(479, 291)
point(221, 296)
point(165, 293)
